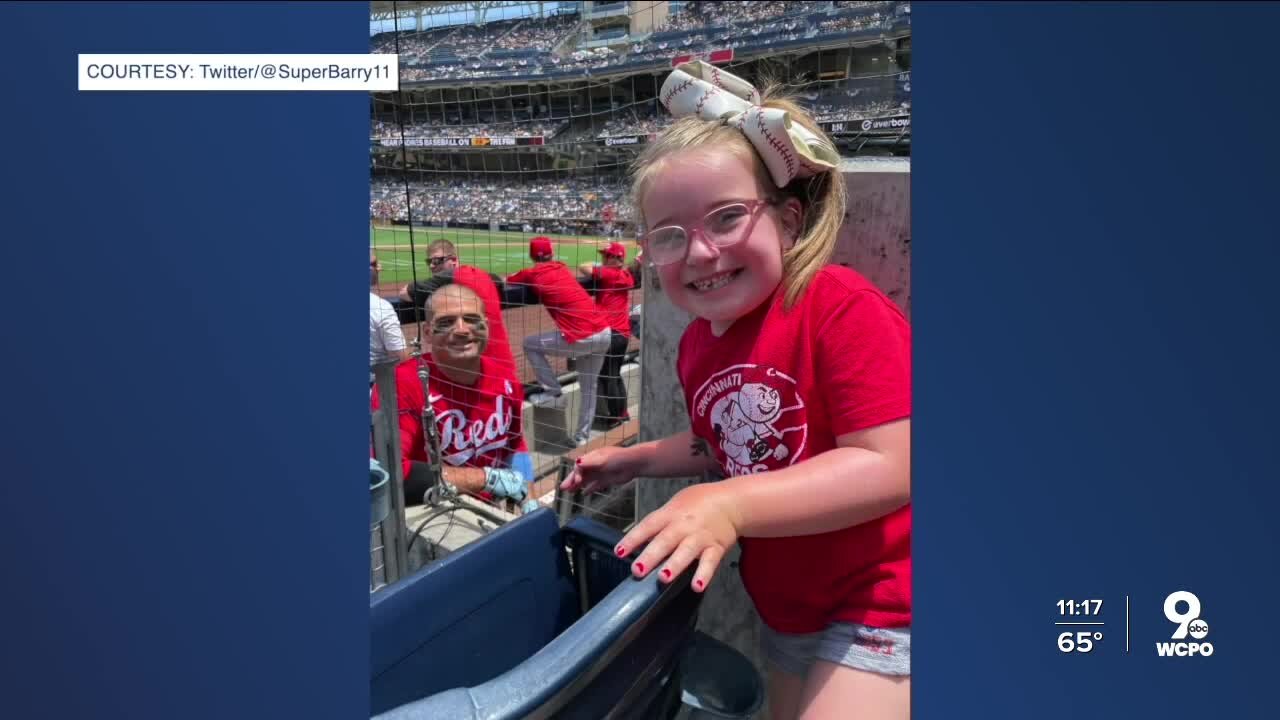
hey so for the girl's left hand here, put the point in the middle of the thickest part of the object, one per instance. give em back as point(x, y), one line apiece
point(699, 523)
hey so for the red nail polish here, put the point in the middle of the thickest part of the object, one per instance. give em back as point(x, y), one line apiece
point(579, 461)
point(698, 583)
point(622, 552)
point(639, 568)
point(666, 574)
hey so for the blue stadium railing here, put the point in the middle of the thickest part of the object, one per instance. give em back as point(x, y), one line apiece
point(535, 620)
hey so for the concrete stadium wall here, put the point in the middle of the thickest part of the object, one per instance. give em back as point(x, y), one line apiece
point(876, 241)
point(647, 15)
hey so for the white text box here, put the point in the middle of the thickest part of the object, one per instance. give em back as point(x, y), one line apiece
point(163, 72)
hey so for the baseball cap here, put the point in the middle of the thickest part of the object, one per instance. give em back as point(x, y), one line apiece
point(540, 247)
point(614, 249)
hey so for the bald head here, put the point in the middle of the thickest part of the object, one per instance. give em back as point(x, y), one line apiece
point(458, 328)
point(454, 294)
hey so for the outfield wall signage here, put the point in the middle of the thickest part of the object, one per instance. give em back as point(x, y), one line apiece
point(464, 141)
point(715, 57)
point(889, 125)
point(623, 140)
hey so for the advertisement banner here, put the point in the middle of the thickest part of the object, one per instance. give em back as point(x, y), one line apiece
point(887, 125)
point(715, 57)
point(623, 140)
point(477, 142)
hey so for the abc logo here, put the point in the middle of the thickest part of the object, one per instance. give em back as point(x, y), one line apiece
point(1188, 622)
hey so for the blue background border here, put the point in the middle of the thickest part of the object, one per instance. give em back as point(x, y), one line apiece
point(1095, 363)
point(186, 410)
point(1095, 354)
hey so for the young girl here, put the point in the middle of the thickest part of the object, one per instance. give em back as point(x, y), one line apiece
point(797, 379)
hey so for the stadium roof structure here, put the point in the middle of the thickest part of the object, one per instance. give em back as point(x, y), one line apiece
point(389, 9)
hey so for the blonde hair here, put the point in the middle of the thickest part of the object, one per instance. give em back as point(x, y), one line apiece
point(442, 244)
point(822, 197)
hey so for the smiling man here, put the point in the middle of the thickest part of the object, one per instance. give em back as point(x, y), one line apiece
point(476, 402)
point(442, 260)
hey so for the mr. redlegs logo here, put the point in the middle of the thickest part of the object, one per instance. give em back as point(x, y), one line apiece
point(1189, 622)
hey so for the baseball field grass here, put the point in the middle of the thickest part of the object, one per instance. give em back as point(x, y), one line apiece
point(501, 253)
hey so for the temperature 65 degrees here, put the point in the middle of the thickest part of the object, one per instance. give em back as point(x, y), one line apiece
point(1081, 642)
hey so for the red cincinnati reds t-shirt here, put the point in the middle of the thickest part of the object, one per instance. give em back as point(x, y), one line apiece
point(479, 425)
point(499, 347)
point(778, 388)
point(571, 308)
point(613, 296)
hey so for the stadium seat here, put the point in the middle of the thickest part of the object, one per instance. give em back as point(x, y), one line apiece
point(508, 626)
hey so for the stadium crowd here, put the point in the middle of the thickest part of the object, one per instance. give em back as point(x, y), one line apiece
point(599, 58)
point(635, 123)
point(855, 103)
point(831, 105)
point(713, 12)
point(467, 41)
point(476, 52)
point(541, 34)
point(856, 100)
point(546, 128)
point(458, 198)
point(496, 67)
point(831, 113)
point(472, 40)
point(463, 51)
point(849, 24)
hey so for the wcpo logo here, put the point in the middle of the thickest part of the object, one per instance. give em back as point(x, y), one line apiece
point(1188, 622)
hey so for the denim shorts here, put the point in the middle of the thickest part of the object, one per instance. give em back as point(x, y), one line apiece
point(884, 651)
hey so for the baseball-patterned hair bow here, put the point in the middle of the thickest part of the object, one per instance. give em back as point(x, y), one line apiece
point(789, 149)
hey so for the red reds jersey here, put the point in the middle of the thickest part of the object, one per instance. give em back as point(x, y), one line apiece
point(613, 296)
point(479, 425)
point(570, 306)
point(780, 387)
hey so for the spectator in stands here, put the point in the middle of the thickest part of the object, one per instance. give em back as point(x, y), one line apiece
point(458, 52)
point(612, 283)
point(442, 259)
point(580, 332)
point(476, 403)
point(448, 197)
point(386, 339)
point(453, 127)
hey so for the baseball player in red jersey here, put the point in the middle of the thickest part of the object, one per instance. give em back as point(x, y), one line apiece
point(442, 259)
point(580, 333)
point(476, 403)
point(612, 283)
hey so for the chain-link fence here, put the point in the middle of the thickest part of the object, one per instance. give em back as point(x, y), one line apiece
point(520, 121)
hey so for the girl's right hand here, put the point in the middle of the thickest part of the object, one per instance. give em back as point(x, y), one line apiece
point(602, 469)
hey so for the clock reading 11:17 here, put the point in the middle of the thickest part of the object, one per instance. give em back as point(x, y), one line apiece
point(1079, 607)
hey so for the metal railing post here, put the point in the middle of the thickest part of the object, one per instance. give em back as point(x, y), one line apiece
point(386, 437)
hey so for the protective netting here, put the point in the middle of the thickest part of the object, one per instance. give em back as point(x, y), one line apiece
point(517, 120)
